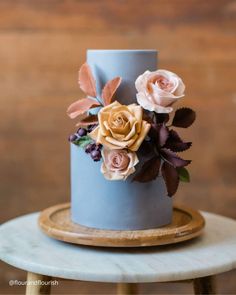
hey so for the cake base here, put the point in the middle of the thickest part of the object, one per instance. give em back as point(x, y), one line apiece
point(115, 205)
point(56, 223)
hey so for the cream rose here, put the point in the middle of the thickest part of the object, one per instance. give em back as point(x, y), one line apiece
point(120, 127)
point(158, 90)
point(118, 164)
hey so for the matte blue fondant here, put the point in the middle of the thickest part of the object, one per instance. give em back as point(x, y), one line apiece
point(117, 205)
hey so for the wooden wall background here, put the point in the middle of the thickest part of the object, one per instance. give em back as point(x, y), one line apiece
point(42, 45)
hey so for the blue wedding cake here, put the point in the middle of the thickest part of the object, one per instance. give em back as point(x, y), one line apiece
point(124, 166)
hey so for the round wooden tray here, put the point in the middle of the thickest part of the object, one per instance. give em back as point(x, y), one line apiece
point(56, 223)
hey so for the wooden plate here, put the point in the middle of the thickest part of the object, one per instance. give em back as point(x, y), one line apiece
point(56, 223)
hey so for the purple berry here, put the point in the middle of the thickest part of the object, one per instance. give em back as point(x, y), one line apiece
point(96, 155)
point(91, 127)
point(73, 137)
point(89, 148)
point(98, 147)
point(81, 132)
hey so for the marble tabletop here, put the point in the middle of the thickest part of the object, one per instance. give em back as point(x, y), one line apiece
point(24, 246)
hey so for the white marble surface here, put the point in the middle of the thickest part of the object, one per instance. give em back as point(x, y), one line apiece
point(24, 246)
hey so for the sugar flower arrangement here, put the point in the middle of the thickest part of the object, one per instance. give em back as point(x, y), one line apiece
point(137, 140)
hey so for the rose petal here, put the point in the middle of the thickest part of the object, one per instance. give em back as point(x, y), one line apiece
point(145, 128)
point(94, 133)
point(121, 144)
point(146, 104)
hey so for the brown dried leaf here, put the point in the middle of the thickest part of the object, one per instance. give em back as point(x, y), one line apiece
point(86, 80)
point(90, 120)
point(110, 89)
point(81, 106)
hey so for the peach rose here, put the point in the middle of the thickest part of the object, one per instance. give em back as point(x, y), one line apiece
point(158, 90)
point(118, 164)
point(120, 127)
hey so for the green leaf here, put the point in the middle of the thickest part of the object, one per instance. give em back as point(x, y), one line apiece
point(183, 174)
point(83, 141)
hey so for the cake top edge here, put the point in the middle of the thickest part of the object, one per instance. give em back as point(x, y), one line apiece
point(122, 50)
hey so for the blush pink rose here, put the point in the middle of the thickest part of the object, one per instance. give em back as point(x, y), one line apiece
point(118, 164)
point(159, 90)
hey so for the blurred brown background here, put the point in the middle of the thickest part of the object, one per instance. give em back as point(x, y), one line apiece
point(42, 45)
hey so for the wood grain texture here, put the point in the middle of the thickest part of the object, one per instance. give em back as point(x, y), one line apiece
point(43, 44)
point(56, 222)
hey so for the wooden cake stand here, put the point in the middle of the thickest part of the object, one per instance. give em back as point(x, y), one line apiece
point(56, 223)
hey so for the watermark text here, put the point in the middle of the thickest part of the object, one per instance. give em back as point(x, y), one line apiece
point(33, 283)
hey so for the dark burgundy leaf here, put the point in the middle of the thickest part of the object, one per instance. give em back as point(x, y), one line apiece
point(173, 159)
point(163, 135)
point(184, 117)
point(149, 170)
point(160, 133)
point(152, 132)
point(148, 116)
point(179, 146)
point(175, 143)
point(161, 118)
point(174, 136)
point(171, 178)
point(146, 148)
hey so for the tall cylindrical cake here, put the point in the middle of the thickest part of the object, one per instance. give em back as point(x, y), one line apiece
point(117, 205)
